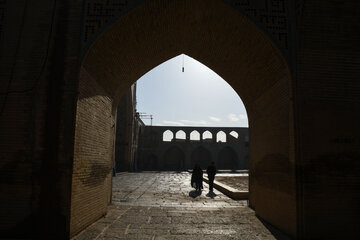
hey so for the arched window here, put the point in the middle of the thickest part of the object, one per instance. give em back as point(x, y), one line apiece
point(180, 135)
point(207, 136)
point(233, 137)
point(234, 134)
point(194, 136)
point(221, 137)
point(168, 136)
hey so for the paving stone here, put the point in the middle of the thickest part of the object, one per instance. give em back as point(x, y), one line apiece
point(161, 206)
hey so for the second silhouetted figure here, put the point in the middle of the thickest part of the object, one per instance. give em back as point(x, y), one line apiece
point(211, 171)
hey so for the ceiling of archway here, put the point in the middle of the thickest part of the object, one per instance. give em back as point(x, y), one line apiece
point(233, 46)
point(270, 15)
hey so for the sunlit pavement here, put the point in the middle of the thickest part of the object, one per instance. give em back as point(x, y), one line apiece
point(163, 205)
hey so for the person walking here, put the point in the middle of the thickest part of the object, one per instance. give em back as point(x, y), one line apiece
point(211, 172)
point(197, 177)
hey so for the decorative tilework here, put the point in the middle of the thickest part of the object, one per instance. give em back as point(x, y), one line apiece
point(271, 15)
point(100, 12)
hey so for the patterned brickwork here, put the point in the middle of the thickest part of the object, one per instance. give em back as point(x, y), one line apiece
point(99, 13)
point(270, 15)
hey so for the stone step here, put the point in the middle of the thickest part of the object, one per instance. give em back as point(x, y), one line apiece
point(229, 191)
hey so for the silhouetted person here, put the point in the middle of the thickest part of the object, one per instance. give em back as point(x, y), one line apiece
point(197, 177)
point(211, 171)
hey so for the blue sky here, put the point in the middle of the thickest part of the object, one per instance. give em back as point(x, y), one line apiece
point(195, 97)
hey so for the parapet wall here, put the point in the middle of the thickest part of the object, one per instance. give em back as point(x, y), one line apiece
point(157, 154)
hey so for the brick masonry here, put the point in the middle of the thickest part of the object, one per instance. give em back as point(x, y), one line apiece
point(93, 156)
point(182, 154)
point(303, 122)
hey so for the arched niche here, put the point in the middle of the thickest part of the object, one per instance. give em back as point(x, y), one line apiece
point(221, 137)
point(227, 159)
point(168, 136)
point(194, 136)
point(207, 136)
point(226, 41)
point(173, 159)
point(201, 156)
point(234, 134)
point(180, 135)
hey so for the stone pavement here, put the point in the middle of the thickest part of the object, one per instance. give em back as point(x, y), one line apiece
point(240, 183)
point(163, 205)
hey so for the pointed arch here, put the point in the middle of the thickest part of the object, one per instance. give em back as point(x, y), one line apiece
point(201, 156)
point(168, 136)
point(227, 42)
point(233, 136)
point(207, 136)
point(227, 159)
point(180, 135)
point(194, 136)
point(221, 137)
point(173, 159)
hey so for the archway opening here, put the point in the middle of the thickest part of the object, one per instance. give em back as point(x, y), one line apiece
point(234, 135)
point(207, 136)
point(174, 159)
point(184, 105)
point(221, 137)
point(201, 156)
point(180, 136)
point(194, 136)
point(236, 48)
point(168, 136)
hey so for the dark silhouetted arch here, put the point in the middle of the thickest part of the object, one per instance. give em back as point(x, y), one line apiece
point(227, 159)
point(202, 156)
point(173, 159)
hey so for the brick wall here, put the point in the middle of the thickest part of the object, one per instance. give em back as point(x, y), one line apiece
point(38, 69)
point(93, 156)
point(239, 52)
point(37, 125)
point(328, 103)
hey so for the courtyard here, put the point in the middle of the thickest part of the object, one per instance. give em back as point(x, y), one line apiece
point(162, 205)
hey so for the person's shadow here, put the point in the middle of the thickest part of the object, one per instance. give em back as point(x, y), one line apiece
point(211, 195)
point(194, 193)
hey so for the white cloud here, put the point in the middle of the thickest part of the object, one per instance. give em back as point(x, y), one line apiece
point(242, 116)
point(233, 117)
point(174, 123)
point(201, 122)
point(215, 119)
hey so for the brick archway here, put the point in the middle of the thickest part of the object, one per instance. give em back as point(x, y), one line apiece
point(235, 48)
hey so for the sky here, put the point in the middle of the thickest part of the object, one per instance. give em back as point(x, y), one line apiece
point(195, 97)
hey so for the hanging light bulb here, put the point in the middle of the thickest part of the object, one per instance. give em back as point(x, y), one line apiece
point(183, 68)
